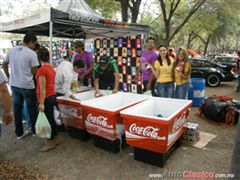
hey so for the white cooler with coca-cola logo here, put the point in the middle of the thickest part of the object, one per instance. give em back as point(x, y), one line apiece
point(156, 124)
point(71, 110)
point(103, 114)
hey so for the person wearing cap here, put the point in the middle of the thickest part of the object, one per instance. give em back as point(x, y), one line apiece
point(87, 59)
point(66, 72)
point(106, 75)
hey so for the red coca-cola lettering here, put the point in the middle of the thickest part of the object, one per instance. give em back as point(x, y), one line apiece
point(100, 120)
point(148, 131)
point(178, 123)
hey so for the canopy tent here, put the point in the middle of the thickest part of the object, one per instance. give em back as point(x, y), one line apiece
point(73, 19)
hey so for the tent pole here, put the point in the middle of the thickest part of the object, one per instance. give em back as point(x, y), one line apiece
point(50, 36)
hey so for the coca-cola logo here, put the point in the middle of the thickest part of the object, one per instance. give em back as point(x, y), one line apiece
point(178, 123)
point(100, 120)
point(147, 131)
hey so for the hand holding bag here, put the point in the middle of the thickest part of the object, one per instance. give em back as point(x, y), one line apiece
point(43, 128)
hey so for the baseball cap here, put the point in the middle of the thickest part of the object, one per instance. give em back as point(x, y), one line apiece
point(103, 60)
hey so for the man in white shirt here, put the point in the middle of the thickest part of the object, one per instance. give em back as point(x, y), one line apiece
point(65, 74)
point(23, 63)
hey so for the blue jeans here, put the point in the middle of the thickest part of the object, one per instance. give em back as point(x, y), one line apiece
point(165, 89)
point(25, 115)
point(181, 91)
point(19, 95)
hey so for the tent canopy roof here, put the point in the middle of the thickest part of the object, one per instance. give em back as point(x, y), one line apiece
point(73, 19)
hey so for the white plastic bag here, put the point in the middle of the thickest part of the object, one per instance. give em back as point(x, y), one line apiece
point(43, 128)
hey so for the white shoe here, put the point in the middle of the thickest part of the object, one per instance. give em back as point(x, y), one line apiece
point(26, 133)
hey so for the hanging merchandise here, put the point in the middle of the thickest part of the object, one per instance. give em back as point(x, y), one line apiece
point(127, 53)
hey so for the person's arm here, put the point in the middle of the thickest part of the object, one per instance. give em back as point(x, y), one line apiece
point(66, 84)
point(186, 74)
point(148, 86)
point(67, 80)
point(155, 71)
point(89, 70)
point(96, 80)
point(34, 70)
point(34, 63)
point(96, 85)
point(5, 68)
point(7, 103)
point(90, 60)
point(139, 68)
point(116, 83)
point(42, 86)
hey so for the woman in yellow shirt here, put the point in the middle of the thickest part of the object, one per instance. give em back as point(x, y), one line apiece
point(163, 71)
point(182, 71)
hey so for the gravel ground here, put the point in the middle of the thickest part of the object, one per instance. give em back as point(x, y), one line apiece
point(74, 159)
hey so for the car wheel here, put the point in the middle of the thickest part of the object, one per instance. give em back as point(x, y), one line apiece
point(213, 80)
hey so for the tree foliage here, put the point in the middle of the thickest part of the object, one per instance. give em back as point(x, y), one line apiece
point(198, 24)
point(107, 8)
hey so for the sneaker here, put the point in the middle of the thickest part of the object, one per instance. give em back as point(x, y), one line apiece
point(26, 133)
point(20, 137)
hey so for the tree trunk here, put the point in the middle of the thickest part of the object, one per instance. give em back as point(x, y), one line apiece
point(124, 7)
point(222, 48)
point(189, 41)
point(135, 10)
point(206, 44)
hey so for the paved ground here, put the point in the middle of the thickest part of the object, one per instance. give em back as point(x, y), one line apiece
point(74, 159)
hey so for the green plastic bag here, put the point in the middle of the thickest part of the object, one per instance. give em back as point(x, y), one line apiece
point(43, 128)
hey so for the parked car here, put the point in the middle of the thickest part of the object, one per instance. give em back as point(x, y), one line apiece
point(227, 71)
point(211, 72)
point(228, 61)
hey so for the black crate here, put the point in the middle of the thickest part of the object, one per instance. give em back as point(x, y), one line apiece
point(108, 145)
point(80, 134)
point(154, 158)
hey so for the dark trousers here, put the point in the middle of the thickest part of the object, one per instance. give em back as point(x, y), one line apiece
point(49, 104)
point(106, 85)
point(152, 87)
point(59, 94)
point(19, 95)
point(86, 82)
